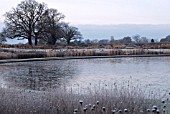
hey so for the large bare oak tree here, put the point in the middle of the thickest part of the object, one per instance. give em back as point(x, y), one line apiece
point(21, 21)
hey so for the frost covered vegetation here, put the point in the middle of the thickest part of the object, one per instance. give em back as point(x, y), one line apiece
point(97, 99)
point(41, 53)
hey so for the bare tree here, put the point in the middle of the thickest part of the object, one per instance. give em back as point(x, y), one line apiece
point(70, 33)
point(136, 38)
point(52, 26)
point(144, 40)
point(21, 21)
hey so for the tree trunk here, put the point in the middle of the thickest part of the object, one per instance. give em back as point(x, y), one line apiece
point(68, 42)
point(36, 41)
point(54, 41)
point(29, 41)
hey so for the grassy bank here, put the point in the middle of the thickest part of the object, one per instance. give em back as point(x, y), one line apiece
point(98, 99)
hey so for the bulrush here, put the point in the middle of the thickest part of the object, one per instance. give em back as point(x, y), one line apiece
point(81, 102)
point(155, 107)
point(85, 109)
point(113, 111)
point(164, 106)
point(158, 111)
point(148, 110)
point(86, 106)
point(163, 101)
point(94, 106)
point(97, 102)
point(104, 109)
point(120, 111)
point(75, 110)
point(125, 110)
point(153, 110)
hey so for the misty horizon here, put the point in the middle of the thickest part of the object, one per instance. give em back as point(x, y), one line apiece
point(118, 31)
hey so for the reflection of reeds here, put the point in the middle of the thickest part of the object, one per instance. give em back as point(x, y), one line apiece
point(97, 99)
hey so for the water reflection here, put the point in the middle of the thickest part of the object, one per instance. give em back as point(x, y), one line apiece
point(152, 72)
point(37, 75)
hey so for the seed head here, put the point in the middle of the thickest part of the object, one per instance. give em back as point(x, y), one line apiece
point(164, 106)
point(125, 110)
point(81, 102)
point(75, 110)
point(155, 107)
point(120, 111)
point(92, 108)
point(84, 109)
point(157, 111)
point(97, 102)
point(153, 110)
point(163, 101)
point(113, 111)
point(104, 109)
point(148, 110)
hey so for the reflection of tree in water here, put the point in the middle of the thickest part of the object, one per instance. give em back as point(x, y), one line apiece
point(40, 75)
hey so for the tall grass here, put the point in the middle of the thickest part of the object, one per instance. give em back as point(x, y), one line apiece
point(98, 99)
point(40, 53)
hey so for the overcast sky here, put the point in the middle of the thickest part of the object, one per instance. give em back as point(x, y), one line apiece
point(105, 11)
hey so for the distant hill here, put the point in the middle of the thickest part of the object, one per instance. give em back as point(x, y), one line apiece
point(120, 31)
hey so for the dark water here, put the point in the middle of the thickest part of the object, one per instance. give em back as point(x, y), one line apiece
point(153, 72)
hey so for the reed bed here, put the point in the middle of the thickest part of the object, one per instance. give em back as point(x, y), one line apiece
point(41, 53)
point(98, 99)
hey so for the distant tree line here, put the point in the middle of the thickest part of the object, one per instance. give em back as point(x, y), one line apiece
point(38, 24)
point(137, 39)
point(124, 40)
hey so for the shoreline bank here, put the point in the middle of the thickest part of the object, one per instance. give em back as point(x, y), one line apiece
point(76, 57)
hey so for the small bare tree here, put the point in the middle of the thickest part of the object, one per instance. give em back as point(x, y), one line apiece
point(70, 33)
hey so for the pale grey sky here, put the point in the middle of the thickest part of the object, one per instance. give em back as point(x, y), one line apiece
point(104, 12)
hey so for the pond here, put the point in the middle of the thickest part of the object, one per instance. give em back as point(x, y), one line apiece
point(150, 72)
